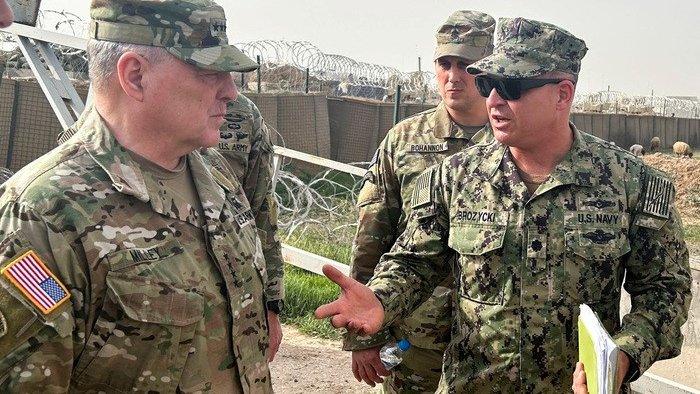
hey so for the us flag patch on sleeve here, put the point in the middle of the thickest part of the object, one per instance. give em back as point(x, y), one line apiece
point(41, 287)
point(658, 196)
point(422, 193)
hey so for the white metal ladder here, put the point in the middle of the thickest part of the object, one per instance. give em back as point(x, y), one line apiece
point(54, 82)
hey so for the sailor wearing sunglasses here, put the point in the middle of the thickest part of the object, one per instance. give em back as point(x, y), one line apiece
point(543, 218)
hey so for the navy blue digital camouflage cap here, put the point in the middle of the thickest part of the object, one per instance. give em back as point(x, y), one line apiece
point(527, 48)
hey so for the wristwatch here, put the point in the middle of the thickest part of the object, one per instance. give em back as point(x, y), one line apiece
point(275, 306)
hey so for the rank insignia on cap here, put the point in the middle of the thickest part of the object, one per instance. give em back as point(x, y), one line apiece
point(30, 275)
point(657, 197)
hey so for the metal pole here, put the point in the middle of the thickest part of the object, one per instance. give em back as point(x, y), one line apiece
point(664, 110)
point(306, 87)
point(13, 124)
point(397, 100)
point(242, 80)
point(419, 67)
point(259, 65)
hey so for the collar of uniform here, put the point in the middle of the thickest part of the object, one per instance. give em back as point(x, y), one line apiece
point(127, 176)
point(445, 127)
point(492, 155)
point(114, 159)
point(577, 166)
point(211, 184)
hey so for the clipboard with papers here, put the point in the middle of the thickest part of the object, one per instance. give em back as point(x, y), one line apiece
point(597, 352)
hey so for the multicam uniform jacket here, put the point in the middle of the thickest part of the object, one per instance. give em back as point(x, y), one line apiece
point(246, 145)
point(154, 303)
point(413, 145)
point(526, 263)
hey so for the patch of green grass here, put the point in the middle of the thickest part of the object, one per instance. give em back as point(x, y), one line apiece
point(692, 233)
point(321, 245)
point(311, 326)
point(305, 292)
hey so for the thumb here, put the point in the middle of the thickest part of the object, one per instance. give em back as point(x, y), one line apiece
point(326, 310)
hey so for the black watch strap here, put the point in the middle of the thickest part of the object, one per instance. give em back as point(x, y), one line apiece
point(275, 306)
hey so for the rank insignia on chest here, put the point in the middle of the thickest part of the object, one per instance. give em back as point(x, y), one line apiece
point(36, 282)
point(658, 193)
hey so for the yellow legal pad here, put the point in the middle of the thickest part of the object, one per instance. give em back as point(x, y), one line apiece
point(597, 352)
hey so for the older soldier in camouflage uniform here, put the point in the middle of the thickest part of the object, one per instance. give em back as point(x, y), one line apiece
point(246, 145)
point(409, 148)
point(542, 218)
point(130, 260)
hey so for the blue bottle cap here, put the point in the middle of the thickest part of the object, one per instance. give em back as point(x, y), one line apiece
point(404, 345)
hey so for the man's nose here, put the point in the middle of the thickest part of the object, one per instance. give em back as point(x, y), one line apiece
point(494, 99)
point(229, 91)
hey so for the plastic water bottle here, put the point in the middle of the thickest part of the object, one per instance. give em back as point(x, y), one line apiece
point(392, 353)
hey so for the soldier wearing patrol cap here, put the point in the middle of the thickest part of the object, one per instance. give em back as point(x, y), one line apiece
point(409, 148)
point(129, 255)
point(543, 218)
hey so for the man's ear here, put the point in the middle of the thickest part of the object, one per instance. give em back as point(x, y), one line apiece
point(131, 68)
point(566, 91)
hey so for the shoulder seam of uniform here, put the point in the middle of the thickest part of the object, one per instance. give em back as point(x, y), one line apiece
point(416, 115)
point(19, 191)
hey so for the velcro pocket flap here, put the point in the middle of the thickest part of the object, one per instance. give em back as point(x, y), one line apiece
point(155, 302)
point(476, 240)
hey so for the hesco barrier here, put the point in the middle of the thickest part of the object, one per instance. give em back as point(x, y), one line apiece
point(300, 119)
point(626, 130)
point(342, 129)
point(358, 126)
point(28, 125)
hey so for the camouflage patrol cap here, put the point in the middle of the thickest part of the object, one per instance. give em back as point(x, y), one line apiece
point(528, 48)
point(466, 34)
point(193, 31)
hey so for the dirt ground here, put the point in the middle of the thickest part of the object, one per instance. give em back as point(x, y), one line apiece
point(307, 365)
point(685, 179)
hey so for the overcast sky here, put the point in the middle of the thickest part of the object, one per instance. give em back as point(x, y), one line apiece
point(635, 46)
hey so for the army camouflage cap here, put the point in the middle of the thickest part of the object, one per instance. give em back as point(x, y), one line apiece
point(193, 31)
point(527, 48)
point(466, 34)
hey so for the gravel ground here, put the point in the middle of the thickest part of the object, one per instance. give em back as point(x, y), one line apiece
point(311, 365)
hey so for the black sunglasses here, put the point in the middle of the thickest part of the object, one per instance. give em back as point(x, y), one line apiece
point(509, 88)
